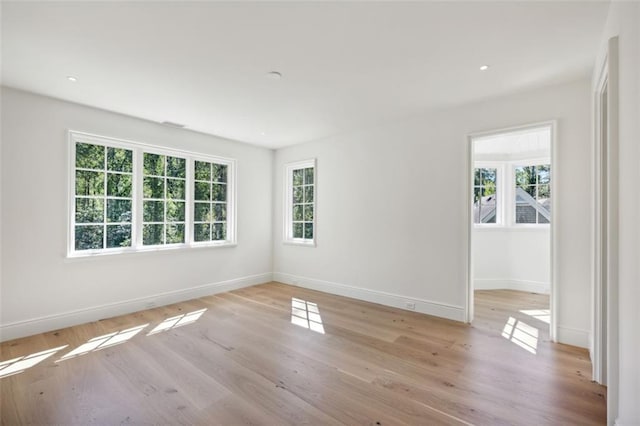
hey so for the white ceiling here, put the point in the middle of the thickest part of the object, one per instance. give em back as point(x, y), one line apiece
point(345, 65)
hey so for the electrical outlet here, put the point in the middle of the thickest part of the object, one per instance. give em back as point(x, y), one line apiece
point(410, 305)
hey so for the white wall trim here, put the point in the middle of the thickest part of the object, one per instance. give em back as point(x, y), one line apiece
point(573, 336)
point(81, 316)
point(422, 306)
point(521, 285)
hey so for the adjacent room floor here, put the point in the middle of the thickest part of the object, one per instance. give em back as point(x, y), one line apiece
point(277, 354)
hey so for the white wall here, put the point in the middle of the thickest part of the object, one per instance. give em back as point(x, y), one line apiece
point(391, 214)
point(41, 289)
point(512, 258)
point(624, 381)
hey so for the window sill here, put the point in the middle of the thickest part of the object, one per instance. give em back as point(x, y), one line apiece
point(513, 228)
point(79, 256)
point(300, 243)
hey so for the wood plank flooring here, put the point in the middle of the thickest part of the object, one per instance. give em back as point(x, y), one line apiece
point(250, 358)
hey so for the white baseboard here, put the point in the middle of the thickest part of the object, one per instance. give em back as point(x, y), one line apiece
point(388, 299)
point(522, 285)
point(573, 336)
point(67, 319)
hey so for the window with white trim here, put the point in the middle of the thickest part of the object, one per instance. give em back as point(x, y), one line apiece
point(532, 194)
point(485, 201)
point(131, 197)
point(300, 205)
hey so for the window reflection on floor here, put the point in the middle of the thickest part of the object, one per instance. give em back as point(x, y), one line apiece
point(306, 314)
point(177, 321)
point(105, 341)
point(522, 334)
point(20, 364)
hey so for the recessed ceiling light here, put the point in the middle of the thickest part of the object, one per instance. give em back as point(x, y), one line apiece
point(274, 75)
point(72, 78)
point(263, 133)
point(484, 67)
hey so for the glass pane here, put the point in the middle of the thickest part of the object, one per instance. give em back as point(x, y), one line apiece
point(308, 231)
point(119, 160)
point(203, 170)
point(308, 212)
point(89, 237)
point(298, 177)
point(525, 176)
point(153, 164)
point(219, 192)
point(153, 187)
point(89, 183)
point(298, 230)
point(544, 192)
point(220, 212)
point(175, 233)
point(175, 211)
point(488, 177)
point(477, 177)
point(118, 236)
point(525, 213)
point(202, 212)
point(308, 175)
point(219, 232)
point(176, 167)
point(297, 194)
point(202, 232)
point(89, 210)
point(219, 173)
point(202, 191)
point(542, 219)
point(152, 234)
point(308, 194)
point(153, 211)
point(297, 212)
point(118, 185)
point(89, 156)
point(175, 189)
point(544, 175)
point(118, 211)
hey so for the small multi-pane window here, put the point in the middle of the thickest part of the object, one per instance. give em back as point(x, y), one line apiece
point(210, 201)
point(485, 196)
point(128, 197)
point(164, 199)
point(300, 215)
point(103, 197)
point(533, 194)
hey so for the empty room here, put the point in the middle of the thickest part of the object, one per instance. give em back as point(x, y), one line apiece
point(356, 213)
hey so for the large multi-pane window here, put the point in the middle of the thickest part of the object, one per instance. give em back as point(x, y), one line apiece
point(210, 202)
point(300, 205)
point(485, 195)
point(129, 197)
point(103, 197)
point(533, 194)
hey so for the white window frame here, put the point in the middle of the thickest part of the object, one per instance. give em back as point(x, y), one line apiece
point(138, 149)
point(500, 192)
point(288, 203)
point(511, 210)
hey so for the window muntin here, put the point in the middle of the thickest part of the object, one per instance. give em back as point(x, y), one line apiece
point(210, 201)
point(300, 203)
point(164, 199)
point(129, 197)
point(532, 194)
point(485, 202)
point(103, 197)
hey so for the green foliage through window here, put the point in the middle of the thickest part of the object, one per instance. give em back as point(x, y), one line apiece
point(302, 193)
point(211, 201)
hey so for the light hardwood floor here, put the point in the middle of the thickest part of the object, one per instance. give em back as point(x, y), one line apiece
point(247, 360)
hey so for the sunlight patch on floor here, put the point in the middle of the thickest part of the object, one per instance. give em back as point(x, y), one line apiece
point(105, 341)
point(306, 314)
point(20, 364)
point(539, 314)
point(177, 321)
point(522, 334)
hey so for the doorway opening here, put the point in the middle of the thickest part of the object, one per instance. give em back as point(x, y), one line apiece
point(510, 234)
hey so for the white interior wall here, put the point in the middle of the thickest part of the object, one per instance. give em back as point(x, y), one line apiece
point(511, 258)
point(41, 289)
point(392, 203)
point(623, 392)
